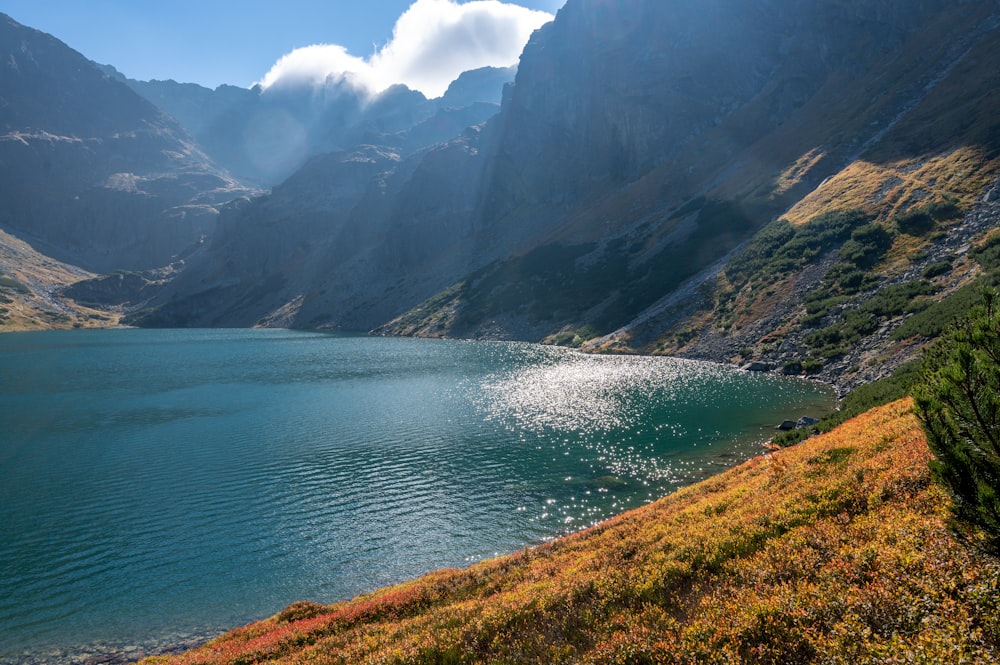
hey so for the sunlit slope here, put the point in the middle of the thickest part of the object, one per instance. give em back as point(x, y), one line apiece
point(835, 551)
point(30, 285)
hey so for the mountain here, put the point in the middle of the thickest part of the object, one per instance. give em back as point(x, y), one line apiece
point(484, 85)
point(826, 127)
point(347, 241)
point(646, 161)
point(264, 135)
point(91, 173)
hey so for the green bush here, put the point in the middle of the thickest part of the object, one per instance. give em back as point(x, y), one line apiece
point(908, 297)
point(958, 402)
point(9, 283)
point(922, 220)
point(779, 248)
point(988, 254)
point(866, 246)
point(933, 320)
point(915, 223)
point(937, 268)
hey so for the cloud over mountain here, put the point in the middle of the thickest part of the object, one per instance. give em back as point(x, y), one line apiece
point(432, 43)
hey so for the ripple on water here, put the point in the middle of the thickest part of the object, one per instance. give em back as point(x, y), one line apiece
point(216, 476)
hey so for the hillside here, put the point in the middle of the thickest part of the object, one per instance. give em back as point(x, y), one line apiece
point(838, 550)
point(30, 291)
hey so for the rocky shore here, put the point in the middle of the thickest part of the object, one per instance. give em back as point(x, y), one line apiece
point(109, 652)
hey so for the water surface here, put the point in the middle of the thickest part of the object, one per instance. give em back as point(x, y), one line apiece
point(159, 485)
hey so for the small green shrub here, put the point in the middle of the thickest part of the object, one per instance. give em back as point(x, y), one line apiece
point(907, 297)
point(958, 402)
point(937, 317)
point(914, 223)
point(13, 285)
point(922, 220)
point(780, 248)
point(937, 268)
point(812, 365)
point(866, 246)
point(988, 253)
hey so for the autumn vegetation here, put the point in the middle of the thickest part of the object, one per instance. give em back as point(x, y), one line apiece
point(841, 549)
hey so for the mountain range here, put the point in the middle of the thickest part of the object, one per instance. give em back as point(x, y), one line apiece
point(786, 184)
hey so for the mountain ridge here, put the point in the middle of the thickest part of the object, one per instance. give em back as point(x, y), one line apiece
point(265, 135)
point(641, 149)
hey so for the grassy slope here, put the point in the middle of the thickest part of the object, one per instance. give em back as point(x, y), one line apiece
point(29, 282)
point(834, 551)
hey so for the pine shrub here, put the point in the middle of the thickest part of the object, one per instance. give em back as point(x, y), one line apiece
point(958, 402)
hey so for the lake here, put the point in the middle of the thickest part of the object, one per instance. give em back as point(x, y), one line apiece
point(159, 486)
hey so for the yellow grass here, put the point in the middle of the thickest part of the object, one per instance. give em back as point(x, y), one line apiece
point(39, 308)
point(887, 189)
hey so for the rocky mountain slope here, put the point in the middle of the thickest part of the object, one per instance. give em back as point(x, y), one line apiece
point(91, 173)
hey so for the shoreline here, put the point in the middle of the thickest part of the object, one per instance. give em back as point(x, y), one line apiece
point(106, 652)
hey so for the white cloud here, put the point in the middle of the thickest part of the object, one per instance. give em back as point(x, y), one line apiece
point(432, 43)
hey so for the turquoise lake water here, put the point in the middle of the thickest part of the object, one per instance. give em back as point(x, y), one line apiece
point(159, 486)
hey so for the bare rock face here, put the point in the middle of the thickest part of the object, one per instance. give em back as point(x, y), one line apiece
point(90, 172)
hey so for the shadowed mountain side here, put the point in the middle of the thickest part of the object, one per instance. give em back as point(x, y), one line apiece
point(91, 173)
point(315, 252)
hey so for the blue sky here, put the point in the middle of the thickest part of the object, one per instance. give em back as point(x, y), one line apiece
point(239, 41)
